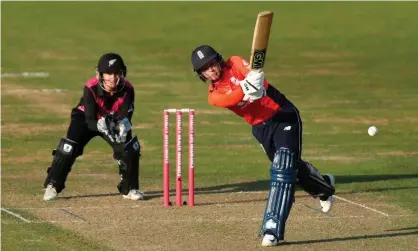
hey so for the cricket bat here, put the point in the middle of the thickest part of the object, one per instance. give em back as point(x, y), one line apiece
point(260, 40)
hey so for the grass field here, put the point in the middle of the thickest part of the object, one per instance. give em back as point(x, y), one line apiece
point(346, 65)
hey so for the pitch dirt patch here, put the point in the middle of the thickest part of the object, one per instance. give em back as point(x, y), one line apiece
point(313, 73)
point(144, 125)
point(229, 221)
point(24, 159)
point(328, 55)
point(52, 55)
point(227, 122)
point(45, 101)
point(212, 111)
point(228, 147)
point(352, 121)
point(24, 130)
point(334, 132)
point(328, 72)
point(340, 159)
point(398, 153)
point(409, 120)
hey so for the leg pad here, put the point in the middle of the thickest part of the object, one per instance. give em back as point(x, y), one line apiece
point(64, 157)
point(281, 195)
point(129, 166)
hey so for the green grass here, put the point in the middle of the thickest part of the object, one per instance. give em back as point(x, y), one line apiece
point(346, 65)
point(17, 235)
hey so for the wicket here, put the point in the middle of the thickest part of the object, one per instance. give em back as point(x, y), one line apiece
point(166, 161)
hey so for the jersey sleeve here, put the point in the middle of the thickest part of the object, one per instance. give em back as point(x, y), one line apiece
point(241, 65)
point(90, 109)
point(217, 98)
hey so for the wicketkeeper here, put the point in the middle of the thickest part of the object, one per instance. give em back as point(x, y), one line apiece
point(105, 110)
point(277, 126)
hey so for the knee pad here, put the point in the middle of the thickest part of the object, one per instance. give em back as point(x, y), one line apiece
point(64, 157)
point(129, 166)
point(281, 194)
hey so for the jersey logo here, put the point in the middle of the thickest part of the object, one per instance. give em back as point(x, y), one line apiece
point(287, 128)
point(234, 80)
point(131, 108)
point(243, 104)
point(136, 146)
point(200, 54)
point(270, 224)
point(67, 148)
point(111, 62)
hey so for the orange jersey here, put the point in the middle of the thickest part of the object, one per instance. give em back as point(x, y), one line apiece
point(227, 93)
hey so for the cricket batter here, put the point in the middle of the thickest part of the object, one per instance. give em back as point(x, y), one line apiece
point(105, 110)
point(277, 126)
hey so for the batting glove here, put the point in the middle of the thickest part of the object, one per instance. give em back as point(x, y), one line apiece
point(253, 82)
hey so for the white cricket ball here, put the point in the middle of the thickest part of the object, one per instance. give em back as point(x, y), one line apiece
point(372, 130)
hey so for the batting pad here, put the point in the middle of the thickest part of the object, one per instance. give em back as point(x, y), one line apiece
point(281, 195)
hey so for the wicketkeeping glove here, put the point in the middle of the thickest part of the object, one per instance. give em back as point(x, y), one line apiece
point(105, 126)
point(123, 126)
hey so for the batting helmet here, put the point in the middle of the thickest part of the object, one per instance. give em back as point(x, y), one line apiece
point(201, 56)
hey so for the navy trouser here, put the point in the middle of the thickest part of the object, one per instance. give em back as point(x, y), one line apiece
point(284, 129)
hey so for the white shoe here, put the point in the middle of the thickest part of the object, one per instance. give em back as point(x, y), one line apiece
point(50, 192)
point(269, 240)
point(326, 205)
point(134, 194)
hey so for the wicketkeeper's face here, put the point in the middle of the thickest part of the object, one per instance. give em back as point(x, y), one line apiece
point(212, 70)
point(110, 81)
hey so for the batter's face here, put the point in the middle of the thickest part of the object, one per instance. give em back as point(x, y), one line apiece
point(212, 71)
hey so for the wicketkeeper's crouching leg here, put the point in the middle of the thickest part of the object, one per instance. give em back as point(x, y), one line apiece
point(128, 161)
point(282, 189)
point(64, 157)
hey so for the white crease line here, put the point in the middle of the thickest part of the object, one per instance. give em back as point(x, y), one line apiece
point(38, 240)
point(361, 205)
point(25, 75)
point(230, 204)
point(230, 219)
point(15, 215)
point(46, 221)
point(146, 206)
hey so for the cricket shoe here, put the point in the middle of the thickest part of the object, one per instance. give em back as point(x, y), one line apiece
point(326, 205)
point(134, 194)
point(269, 240)
point(50, 192)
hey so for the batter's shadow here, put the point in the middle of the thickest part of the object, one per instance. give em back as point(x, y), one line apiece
point(263, 185)
point(67, 197)
point(351, 238)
